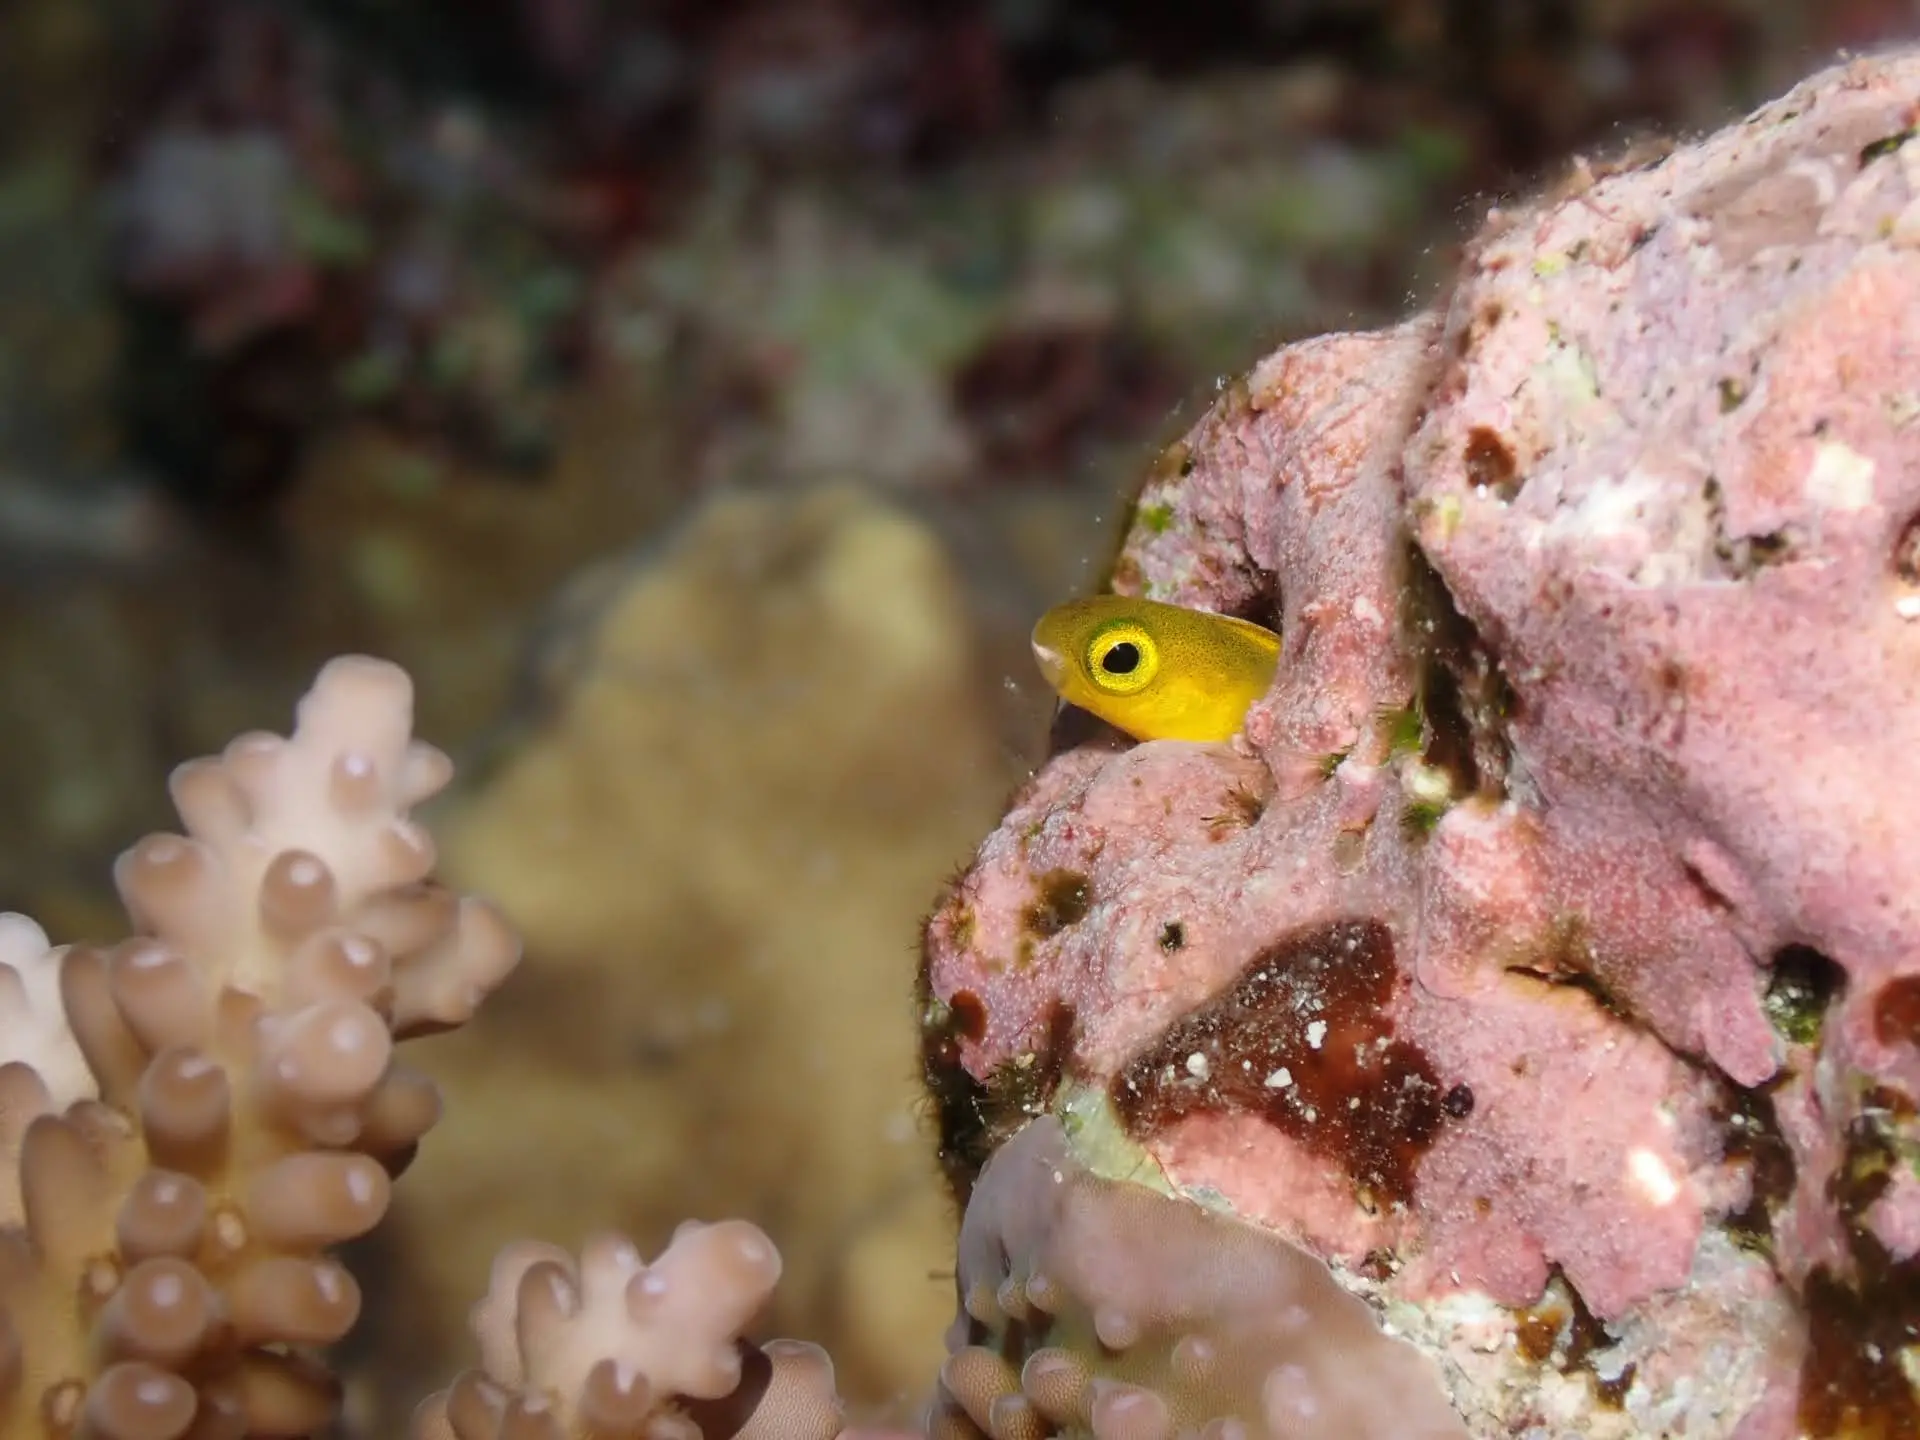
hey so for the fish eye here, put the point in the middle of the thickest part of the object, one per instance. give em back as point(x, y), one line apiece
point(1122, 658)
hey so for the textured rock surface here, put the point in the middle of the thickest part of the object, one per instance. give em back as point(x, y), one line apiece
point(1546, 956)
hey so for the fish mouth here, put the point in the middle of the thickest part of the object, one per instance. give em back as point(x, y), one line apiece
point(1051, 664)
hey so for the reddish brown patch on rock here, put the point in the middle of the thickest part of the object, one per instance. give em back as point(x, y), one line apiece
point(969, 1015)
point(1896, 1012)
point(1490, 463)
point(1304, 1041)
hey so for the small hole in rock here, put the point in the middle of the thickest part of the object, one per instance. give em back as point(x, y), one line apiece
point(968, 1015)
point(1263, 606)
point(1490, 463)
point(1906, 554)
point(1061, 899)
point(1802, 988)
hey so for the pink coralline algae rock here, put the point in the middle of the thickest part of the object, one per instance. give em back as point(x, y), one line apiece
point(1545, 956)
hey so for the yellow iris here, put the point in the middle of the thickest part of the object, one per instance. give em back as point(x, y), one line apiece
point(1156, 671)
point(1122, 658)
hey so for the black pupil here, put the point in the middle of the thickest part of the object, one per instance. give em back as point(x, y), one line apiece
point(1122, 659)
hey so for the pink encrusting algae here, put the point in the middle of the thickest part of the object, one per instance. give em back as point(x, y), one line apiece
point(1546, 954)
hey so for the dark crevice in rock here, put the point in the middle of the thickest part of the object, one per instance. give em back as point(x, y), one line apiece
point(1801, 988)
point(1741, 557)
point(1460, 691)
point(972, 1118)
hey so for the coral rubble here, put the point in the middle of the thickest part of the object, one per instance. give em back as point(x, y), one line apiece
point(1542, 956)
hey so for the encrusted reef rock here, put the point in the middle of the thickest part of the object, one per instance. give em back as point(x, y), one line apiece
point(1545, 957)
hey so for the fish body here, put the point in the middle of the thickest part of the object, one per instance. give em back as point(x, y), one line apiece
point(1156, 671)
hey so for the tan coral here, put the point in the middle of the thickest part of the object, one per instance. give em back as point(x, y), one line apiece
point(718, 835)
point(38, 1034)
point(170, 1273)
point(43, 1069)
point(616, 1348)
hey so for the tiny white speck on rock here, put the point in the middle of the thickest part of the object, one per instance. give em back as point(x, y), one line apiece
point(1841, 478)
point(1316, 1033)
point(1198, 1066)
point(1652, 1178)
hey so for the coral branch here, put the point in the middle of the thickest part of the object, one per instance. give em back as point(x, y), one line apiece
point(615, 1348)
point(200, 1113)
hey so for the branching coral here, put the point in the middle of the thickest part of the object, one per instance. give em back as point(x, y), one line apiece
point(615, 1348)
point(201, 1112)
point(239, 1109)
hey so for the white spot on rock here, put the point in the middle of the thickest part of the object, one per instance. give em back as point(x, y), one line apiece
point(1841, 478)
point(1651, 1178)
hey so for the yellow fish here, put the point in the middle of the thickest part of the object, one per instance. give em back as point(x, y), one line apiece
point(1158, 672)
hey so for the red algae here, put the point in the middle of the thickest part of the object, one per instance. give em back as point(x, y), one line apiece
point(1303, 1040)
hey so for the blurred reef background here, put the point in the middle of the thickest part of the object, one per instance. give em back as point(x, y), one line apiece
point(700, 398)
